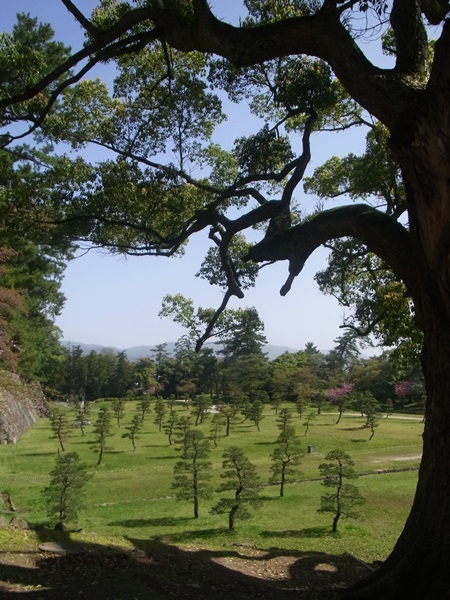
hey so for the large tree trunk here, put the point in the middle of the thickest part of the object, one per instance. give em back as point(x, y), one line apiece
point(418, 567)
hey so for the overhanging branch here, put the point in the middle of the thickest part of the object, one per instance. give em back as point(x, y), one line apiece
point(382, 235)
point(321, 34)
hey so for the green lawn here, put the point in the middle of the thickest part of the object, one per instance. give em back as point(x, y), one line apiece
point(130, 495)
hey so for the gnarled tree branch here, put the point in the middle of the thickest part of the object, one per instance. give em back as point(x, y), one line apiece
point(322, 35)
point(379, 232)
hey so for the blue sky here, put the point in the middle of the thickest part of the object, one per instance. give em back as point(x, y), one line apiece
point(115, 301)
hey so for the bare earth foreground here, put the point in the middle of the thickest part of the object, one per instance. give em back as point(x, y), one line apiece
point(160, 571)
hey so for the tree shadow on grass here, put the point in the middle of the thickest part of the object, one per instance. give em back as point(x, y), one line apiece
point(157, 522)
point(243, 571)
point(153, 445)
point(168, 457)
point(269, 498)
point(189, 537)
point(40, 454)
point(60, 567)
point(160, 570)
point(310, 532)
point(80, 441)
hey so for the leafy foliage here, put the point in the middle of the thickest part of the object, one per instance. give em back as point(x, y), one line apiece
point(28, 54)
point(32, 265)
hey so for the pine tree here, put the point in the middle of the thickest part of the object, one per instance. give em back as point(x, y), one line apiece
point(133, 429)
point(240, 478)
point(285, 457)
point(60, 426)
point(118, 407)
point(102, 430)
point(160, 411)
point(170, 424)
point(64, 494)
point(192, 474)
point(345, 497)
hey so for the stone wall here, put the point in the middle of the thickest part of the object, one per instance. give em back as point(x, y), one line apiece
point(21, 405)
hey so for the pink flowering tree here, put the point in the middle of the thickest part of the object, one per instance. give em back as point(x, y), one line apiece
point(403, 389)
point(340, 396)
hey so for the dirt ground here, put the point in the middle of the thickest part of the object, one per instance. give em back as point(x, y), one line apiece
point(160, 571)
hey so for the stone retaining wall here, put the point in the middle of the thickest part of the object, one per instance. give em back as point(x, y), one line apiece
point(21, 405)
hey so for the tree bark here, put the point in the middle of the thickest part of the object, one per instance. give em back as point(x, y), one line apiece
point(231, 517)
point(418, 565)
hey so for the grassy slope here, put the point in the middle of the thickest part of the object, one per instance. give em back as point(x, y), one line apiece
point(130, 494)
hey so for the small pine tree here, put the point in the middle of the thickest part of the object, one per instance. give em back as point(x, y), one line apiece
point(241, 478)
point(388, 407)
point(102, 430)
point(133, 430)
point(300, 405)
point(370, 408)
point(191, 475)
point(64, 494)
point(201, 405)
point(276, 402)
point(256, 412)
point(311, 416)
point(170, 424)
point(285, 458)
point(118, 406)
point(144, 406)
point(229, 411)
point(284, 419)
point(82, 416)
point(181, 431)
point(160, 412)
point(60, 426)
point(345, 497)
point(217, 425)
point(372, 423)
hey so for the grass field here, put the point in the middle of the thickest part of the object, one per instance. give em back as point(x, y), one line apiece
point(129, 497)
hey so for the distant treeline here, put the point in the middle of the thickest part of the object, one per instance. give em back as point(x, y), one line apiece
point(305, 377)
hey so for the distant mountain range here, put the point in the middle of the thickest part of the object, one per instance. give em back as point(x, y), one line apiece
point(137, 352)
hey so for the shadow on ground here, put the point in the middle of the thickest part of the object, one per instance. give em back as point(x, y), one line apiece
point(158, 570)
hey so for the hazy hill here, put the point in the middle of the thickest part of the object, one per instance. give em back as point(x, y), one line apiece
point(137, 352)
